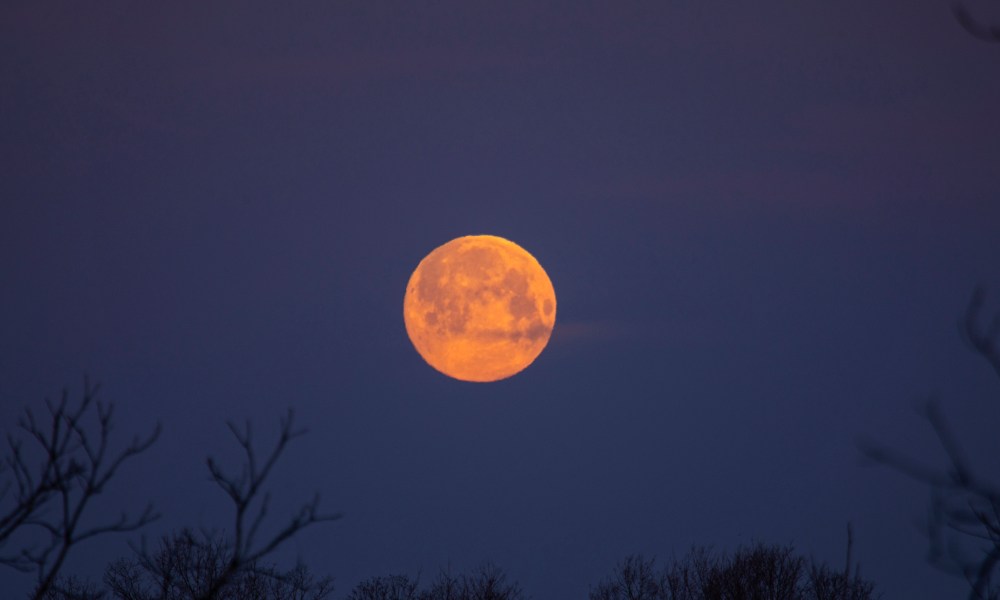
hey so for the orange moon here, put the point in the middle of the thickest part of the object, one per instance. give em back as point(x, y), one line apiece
point(479, 308)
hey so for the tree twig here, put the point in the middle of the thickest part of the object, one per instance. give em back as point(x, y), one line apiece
point(52, 499)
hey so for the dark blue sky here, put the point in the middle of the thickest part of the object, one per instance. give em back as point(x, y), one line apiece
point(761, 223)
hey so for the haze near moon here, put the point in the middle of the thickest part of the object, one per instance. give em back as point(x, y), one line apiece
point(479, 308)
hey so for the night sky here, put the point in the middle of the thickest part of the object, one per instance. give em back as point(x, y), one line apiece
point(762, 222)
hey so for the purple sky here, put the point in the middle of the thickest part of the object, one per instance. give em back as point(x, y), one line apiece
point(761, 222)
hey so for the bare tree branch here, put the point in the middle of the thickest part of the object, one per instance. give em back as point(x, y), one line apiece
point(962, 502)
point(983, 340)
point(987, 33)
point(77, 463)
point(244, 489)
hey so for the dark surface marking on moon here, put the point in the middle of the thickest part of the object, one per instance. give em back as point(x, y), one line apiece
point(457, 315)
point(476, 263)
point(523, 306)
point(522, 303)
point(515, 281)
point(428, 286)
point(537, 330)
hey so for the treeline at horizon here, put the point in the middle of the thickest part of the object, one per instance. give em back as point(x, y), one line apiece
point(190, 565)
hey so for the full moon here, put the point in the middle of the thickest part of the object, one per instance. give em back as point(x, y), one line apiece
point(479, 308)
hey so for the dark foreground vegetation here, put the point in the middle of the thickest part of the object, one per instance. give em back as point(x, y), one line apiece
point(185, 566)
point(757, 572)
point(58, 463)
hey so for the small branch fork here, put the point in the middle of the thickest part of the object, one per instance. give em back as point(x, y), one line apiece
point(243, 489)
point(962, 502)
point(77, 464)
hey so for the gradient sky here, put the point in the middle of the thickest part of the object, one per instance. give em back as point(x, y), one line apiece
point(762, 222)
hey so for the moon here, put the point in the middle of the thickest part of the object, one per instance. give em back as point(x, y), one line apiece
point(479, 308)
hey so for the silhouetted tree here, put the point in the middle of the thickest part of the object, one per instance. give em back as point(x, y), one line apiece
point(74, 588)
point(391, 587)
point(210, 566)
point(635, 578)
point(488, 582)
point(48, 484)
point(965, 507)
point(762, 572)
point(445, 587)
point(758, 572)
point(187, 565)
point(828, 584)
